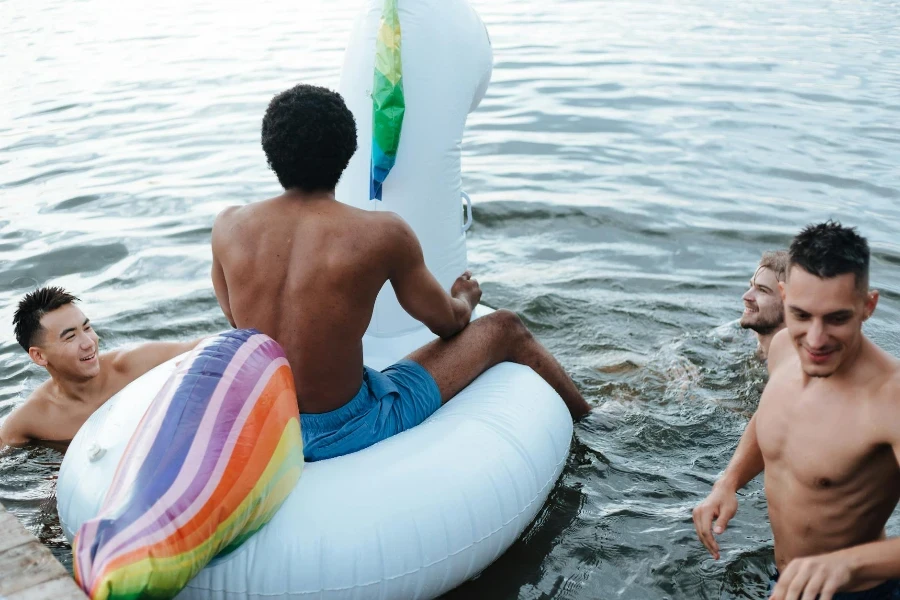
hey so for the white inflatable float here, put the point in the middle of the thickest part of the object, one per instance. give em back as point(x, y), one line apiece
point(418, 514)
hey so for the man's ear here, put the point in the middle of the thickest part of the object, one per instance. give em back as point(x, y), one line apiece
point(37, 356)
point(871, 303)
point(781, 290)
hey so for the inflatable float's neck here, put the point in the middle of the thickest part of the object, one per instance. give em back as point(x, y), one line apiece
point(410, 90)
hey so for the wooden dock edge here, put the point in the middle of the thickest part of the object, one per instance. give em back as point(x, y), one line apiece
point(28, 570)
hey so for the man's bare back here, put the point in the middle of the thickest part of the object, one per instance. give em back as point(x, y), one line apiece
point(831, 476)
point(307, 272)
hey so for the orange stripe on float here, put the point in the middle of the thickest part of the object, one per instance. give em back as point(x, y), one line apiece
point(251, 454)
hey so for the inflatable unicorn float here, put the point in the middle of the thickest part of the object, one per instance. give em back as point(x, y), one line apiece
point(190, 478)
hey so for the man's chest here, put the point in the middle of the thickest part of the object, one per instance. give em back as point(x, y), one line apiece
point(61, 424)
point(820, 438)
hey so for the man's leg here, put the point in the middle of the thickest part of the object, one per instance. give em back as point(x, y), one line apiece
point(498, 337)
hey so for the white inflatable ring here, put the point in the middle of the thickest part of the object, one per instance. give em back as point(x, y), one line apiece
point(422, 512)
point(411, 517)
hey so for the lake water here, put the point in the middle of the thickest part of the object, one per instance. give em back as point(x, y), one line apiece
point(631, 161)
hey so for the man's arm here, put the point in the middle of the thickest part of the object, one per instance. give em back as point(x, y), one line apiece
point(13, 432)
point(218, 274)
point(721, 504)
point(824, 575)
point(137, 361)
point(420, 294)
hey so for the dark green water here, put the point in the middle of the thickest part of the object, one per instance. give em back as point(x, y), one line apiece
point(629, 165)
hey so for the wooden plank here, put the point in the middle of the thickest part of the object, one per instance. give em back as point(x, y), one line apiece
point(27, 565)
point(62, 588)
point(12, 533)
point(28, 570)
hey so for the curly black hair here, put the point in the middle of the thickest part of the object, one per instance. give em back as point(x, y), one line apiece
point(829, 249)
point(308, 135)
point(36, 304)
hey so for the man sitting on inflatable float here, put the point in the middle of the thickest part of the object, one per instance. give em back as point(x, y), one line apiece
point(189, 482)
point(306, 270)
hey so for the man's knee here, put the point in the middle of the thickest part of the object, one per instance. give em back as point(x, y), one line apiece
point(510, 326)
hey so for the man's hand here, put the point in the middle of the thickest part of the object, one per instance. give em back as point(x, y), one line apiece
point(467, 289)
point(813, 577)
point(720, 505)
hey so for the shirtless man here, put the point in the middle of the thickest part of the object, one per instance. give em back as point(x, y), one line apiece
point(57, 336)
point(306, 269)
point(763, 308)
point(827, 433)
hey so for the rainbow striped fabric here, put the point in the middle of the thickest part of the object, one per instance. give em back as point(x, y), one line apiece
point(214, 457)
point(388, 104)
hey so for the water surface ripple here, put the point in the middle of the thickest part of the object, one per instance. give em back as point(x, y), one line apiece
point(629, 164)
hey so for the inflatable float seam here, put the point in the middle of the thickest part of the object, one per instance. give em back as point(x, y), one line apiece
point(450, 555)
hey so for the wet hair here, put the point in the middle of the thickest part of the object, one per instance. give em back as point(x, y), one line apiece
point(777, 262)
point(829, 249)
point(308, 135)
point(32, 308)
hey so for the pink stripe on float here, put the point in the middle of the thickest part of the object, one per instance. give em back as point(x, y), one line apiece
point(188, 469)
point(157, 533)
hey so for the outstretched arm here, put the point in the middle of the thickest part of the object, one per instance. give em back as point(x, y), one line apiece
point(135, 362)
point(420, 294)
point(721, 504)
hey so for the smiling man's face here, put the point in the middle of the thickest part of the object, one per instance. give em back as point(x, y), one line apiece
point(824, 318)
point(763, 308)
point(68, 344)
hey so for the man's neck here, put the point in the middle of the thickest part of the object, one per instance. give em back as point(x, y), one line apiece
point(295, 194)
point(70, 390)
point(765, 340)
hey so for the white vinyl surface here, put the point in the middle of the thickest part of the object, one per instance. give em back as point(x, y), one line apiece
point(410, 517)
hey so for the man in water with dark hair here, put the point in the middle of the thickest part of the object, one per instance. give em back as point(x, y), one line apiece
point(57, 336)
point(827, 433)
point(763, 307)
point(306, 269)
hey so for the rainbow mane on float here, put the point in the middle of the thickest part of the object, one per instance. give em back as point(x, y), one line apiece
point(388, 103)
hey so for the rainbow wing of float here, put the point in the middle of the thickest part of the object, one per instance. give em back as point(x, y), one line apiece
point(212, 460)
point(388, 104)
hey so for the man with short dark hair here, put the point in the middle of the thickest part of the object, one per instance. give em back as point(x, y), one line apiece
point(57, 336)
point(827, 433)
point(763, 308)
point(305, 269)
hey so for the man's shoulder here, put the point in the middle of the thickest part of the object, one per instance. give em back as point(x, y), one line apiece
point(884, 406)
point(385, 232)
point(391, 226)
point(779, 351)
point(383, 219)
point(117, 360)
point(877, 369)
point(227, 218)
point(887, 387)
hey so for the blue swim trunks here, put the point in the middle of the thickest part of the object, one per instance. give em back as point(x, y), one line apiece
point(394, 400)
